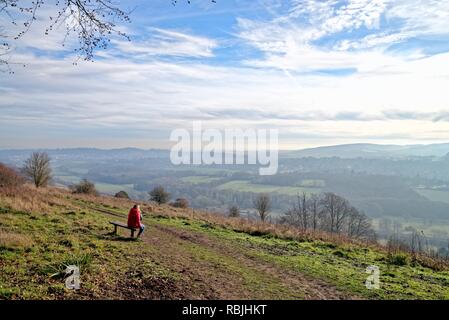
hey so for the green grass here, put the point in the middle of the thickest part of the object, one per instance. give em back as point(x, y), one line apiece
point(60, 238)
point(107, 188)
point(343, 266)
point(312, 183)
point(199, 179)
point(114, 188)
point(246, 186)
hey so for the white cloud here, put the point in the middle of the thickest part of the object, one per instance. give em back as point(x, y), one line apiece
point(391, 98)
point(169, 43)
point(126, 97)
point(289, 41)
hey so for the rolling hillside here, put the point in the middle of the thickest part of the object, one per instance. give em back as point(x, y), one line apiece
point(373, 151)
point(185, 254)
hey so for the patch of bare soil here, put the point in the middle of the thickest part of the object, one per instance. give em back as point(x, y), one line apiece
point(152, 288)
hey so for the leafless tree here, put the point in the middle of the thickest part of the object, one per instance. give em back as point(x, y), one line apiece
point(159, 195)
point(336, 210)
point(234, 211)
point(359, 225)
point(262, 204)
point(37, 168)
point(314, 211)
point(298, 214)
point(93, 22)
point(329, 203)
point(328, 212)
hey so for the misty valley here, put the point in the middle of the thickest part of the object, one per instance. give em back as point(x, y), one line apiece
point(403, 190)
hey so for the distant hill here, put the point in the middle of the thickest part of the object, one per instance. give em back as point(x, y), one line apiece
point(374, 151)
point(357, 150)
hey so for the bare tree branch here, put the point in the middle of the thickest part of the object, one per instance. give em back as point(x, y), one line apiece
point(94, 22)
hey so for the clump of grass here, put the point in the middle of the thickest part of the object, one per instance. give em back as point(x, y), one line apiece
point(340, 254)
point(66, 243)
point(8, 293)
point(398, 259)
point(58, 270)
point(9, 240)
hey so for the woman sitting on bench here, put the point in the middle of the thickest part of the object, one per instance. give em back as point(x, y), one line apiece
point(135, 218)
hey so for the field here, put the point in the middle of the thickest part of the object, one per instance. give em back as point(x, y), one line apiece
point(434, 195)
point(187, 255)
point(199, 179)
point(107, 188)
point(241, 185)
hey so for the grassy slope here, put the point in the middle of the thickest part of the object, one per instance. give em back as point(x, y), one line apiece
point(183, 255)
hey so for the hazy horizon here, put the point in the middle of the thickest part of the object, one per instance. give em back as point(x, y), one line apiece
point(168, 148)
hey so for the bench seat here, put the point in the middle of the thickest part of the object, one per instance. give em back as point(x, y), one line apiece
point(122, 225)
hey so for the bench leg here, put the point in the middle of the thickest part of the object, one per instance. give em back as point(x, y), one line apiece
point(115, 229)
point(132, 233)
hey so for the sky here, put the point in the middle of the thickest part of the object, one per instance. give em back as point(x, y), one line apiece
point(321, 72)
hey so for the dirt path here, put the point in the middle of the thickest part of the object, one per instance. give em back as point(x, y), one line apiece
point(213, 269)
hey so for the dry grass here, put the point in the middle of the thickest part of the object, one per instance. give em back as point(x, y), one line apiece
point(258, 228)
point(27, 198)
point(11, 240)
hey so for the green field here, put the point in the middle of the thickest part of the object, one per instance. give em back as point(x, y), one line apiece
point(101, 187)
point(312, 183)
point(199, 179)
point(246, 186)
point(434, 195)
point(114, 188)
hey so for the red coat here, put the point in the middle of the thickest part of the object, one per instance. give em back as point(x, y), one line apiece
point(134, 218)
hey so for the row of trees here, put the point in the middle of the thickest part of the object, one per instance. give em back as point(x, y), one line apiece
point(324, 212)
point(328, 212)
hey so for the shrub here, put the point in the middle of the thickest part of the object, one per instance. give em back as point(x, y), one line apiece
point(234, 211)
point(84, 187)
point(398, 259)
point(159, 195)
point(180, 203)
point(9, 178)
point(262, 204)
point(122, 195)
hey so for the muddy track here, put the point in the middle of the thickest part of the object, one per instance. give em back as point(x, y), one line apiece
point(295, 282)
point(206, 280)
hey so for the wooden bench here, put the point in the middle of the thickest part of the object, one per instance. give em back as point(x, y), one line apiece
point(122, 225)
